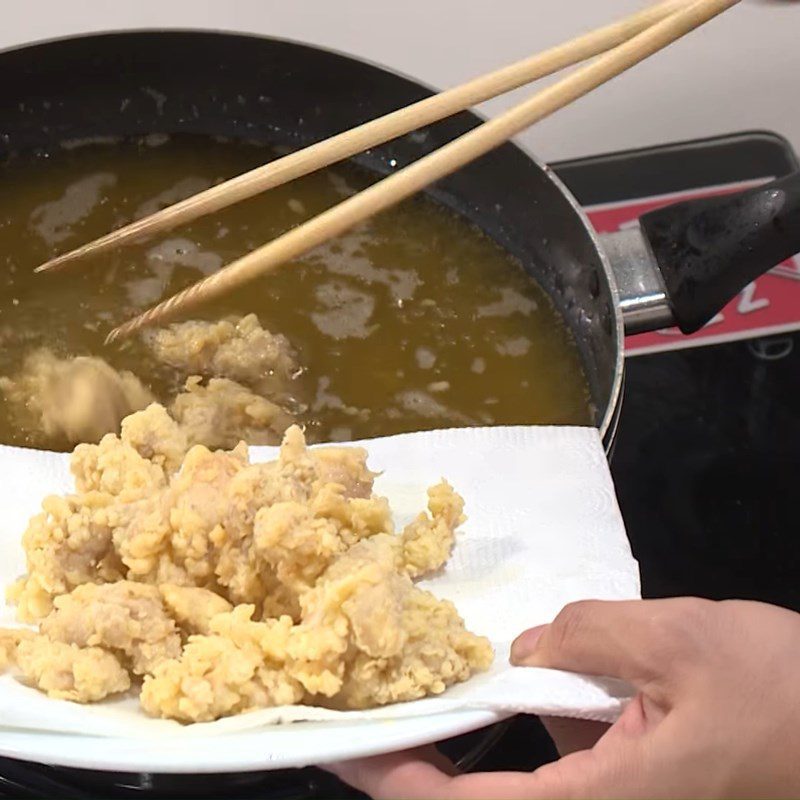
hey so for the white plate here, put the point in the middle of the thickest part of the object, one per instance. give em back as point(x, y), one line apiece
point(275, 747)
point(550, 532)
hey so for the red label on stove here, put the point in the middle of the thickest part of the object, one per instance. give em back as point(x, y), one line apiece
point(769, 305)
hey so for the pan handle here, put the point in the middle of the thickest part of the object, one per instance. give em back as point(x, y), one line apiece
point(708, 250)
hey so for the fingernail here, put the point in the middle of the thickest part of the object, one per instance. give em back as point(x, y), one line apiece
point(523, 647)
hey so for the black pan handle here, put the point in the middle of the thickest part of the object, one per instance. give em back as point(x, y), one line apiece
point(708, 250)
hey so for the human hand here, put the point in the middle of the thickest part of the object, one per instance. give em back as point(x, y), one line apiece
point(717, 710)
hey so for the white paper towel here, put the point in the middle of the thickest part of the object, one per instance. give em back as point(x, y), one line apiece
point(543, 529)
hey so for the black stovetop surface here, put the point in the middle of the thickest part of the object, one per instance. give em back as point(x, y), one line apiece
point(706, 466)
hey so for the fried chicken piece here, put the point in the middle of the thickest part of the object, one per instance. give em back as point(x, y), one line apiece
point(71, 542)
point(295, 545)
point(223, 412)
point(240, 350)
point(356, 517)
point(298, 541)
point(318, 647)
point(248, 375)
point(172, 536)
point(135, 465)
point(370, 637)
point(198, 504)
point(193, 608)
point(199, 531)
point(10, 639)
point(289, 478)
point(68, 672)
point(157, 437)
point(436, 652)
point(126, 618)
point(66, 545)
point(346, 466)
point(116, 471)
point(428, 540)
point(238, 668)
point(240, 569)
point(76, 399)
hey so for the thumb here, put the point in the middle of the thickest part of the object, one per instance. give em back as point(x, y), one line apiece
point(635, 641)
point(614, 768)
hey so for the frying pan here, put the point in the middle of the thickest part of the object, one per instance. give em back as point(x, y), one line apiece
point(680, 265)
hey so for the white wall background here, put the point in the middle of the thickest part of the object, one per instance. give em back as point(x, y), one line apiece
point(742, 71)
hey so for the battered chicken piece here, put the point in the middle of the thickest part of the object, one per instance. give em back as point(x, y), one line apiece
point(77, 399)
point(66, 545)
point(193, 608)
point(428, 540)
point(70, 542)
point(10, 638)
point(318, 647)
point(174, 536)
point(127, 618)
point(346, 466)
point(248, 570)
point(298, 541)
point(157, 437)
point(68, 672)
point(238, 349)
point(432, 651)
point(370, 637)
point(290, 477)
point(237, 668)
point(223, 412)
point(116, 471)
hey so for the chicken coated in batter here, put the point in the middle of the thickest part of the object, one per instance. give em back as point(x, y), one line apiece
point(369, 636)
point(68, 672)
point(77, 399)
point(71, 541)
point(62, 671)
point(226, 586)
point(10, 639)
point(237, 667)
point(126, 618)
point(238, 349)
point(222, 412)
point(193, 608)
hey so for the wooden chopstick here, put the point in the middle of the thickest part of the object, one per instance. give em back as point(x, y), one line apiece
point(436, 165)
point(376, 132)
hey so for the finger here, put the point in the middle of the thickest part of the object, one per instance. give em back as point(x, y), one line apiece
point(421, 773)
point(638, 641)
point(573, 735)
point(411, 776)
